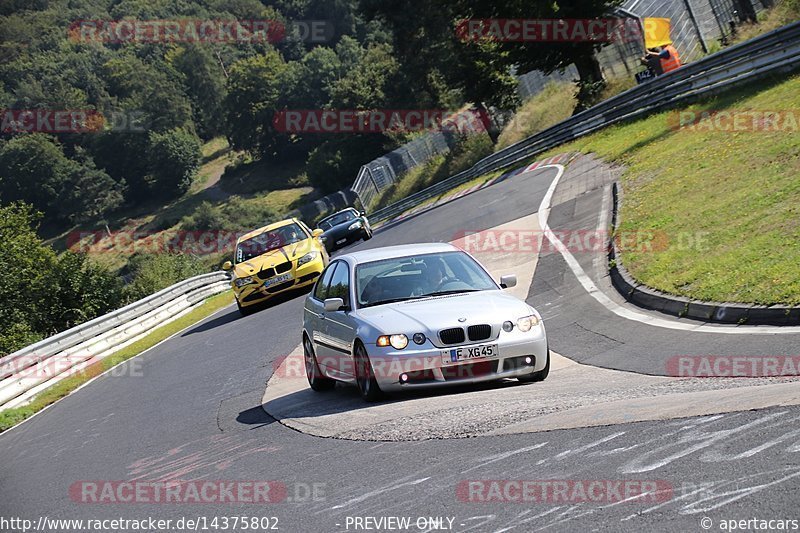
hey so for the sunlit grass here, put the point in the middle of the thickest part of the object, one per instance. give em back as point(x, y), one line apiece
point(739, 192)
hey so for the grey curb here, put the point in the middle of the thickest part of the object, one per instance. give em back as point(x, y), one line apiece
point(720, 312)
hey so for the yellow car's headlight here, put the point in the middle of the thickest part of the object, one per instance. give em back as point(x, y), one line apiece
point(310, 256)
point(527, 322)
point(241, 282)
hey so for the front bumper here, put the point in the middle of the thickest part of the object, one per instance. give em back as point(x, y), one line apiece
point(303, 276)
point(424, 368)
point(332, 244)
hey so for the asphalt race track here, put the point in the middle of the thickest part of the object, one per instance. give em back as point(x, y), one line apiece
point(192, 409)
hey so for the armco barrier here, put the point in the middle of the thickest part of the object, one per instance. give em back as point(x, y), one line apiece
point(99, 338)
point(772, 53)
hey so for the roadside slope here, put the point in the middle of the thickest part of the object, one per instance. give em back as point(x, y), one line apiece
point(736, 191)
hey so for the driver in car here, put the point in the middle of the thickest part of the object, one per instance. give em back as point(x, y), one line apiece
point(433, 276)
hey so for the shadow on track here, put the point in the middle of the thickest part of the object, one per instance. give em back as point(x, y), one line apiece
point(234, 314)
point(344, 398)
point(255, 416)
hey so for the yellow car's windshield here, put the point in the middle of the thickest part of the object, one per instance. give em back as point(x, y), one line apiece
point(269, 240)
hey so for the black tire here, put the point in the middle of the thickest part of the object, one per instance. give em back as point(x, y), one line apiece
point(541, 375)
point(365, 377)
point(244, 311)
point(367, 234)
point(316, 380)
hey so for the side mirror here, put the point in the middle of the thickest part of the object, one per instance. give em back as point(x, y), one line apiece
point(227, 265)
point(508, 281)
point(333, 304)
point(317, 232)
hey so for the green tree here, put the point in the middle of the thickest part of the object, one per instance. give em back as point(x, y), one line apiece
point(205, 85)
point(89, 192)
point(24, 264)
point(80, 290)
point(257, 86)
point(41, 293)
point(174, 158)
point(547, 56)
point(34, 169)
point(368, 84)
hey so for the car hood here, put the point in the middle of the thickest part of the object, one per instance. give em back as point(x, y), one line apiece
point(289, 252)
point(432, 314)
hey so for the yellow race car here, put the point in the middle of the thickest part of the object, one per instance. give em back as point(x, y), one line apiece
point(276, 258)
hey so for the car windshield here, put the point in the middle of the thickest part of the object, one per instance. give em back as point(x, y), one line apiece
point(269, 240)
point(419, 276)
point(335, 220)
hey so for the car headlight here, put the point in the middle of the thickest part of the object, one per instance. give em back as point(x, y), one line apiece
point(527, 322)
point(306, 258)
point(354, 225)
point(241, 282)
point(398, 342)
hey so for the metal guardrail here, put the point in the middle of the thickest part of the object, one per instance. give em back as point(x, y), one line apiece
point(30, 370)
point(771, 53)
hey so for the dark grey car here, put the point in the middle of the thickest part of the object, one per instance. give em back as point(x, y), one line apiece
point(344, 227)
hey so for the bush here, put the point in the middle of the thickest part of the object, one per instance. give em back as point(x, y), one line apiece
point(237, 214)
point(205, 217)
point(81, 290)
point(468, 151)
point(153, 272)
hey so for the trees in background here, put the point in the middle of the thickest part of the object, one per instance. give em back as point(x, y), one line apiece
point(43, 293)
point(162, 100)
point(34, 169)
point(402, 54)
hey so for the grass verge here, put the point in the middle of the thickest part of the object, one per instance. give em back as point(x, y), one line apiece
point(11, 417)
point(728, 202)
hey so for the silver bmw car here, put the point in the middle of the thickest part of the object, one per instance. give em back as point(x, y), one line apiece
point(421, 315)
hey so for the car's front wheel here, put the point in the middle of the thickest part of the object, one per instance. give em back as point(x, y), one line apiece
point(316, 380)
point(365, 377)
point(367, 234)
point(541, 375)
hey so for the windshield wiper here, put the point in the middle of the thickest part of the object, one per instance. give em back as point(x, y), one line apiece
point(394, 300)
point(457, 291)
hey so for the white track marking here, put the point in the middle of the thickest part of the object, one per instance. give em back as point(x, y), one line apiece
point(624, 312)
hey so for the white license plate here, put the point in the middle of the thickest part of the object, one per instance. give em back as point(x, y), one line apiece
point(340, 241)
point(468, 353)
point(277, 279)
